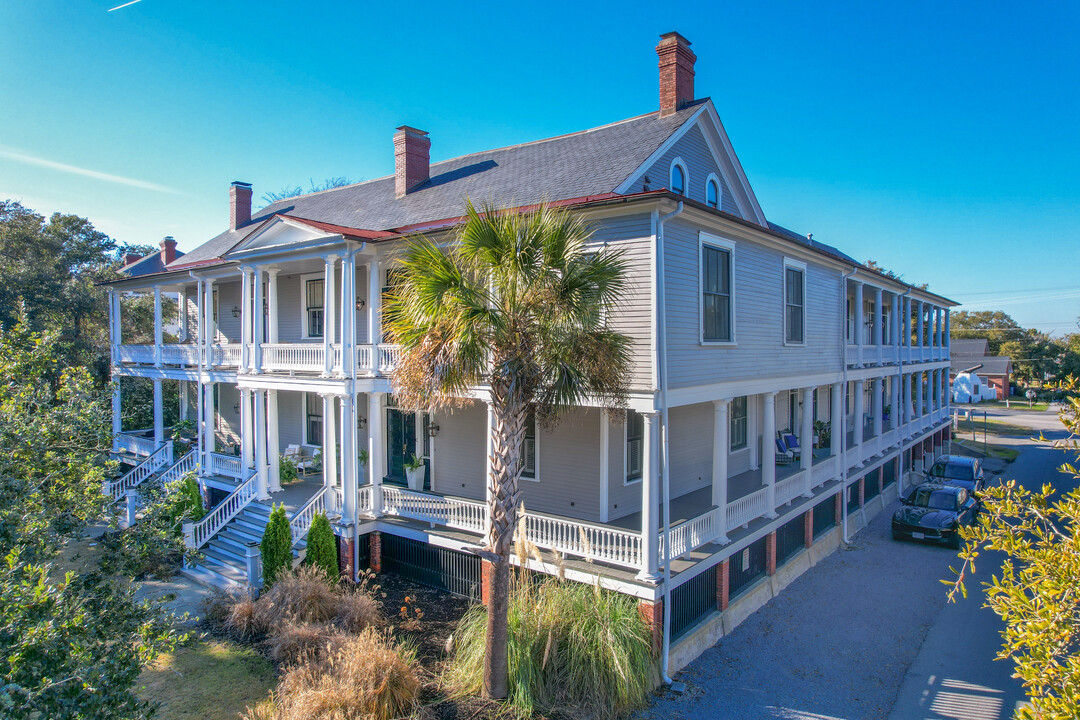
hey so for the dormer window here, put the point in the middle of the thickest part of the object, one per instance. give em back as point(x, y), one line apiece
point(678, 177)
point(712, 193)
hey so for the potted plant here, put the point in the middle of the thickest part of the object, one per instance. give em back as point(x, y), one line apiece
point(362, 459)
point(823, 431)
point(886, 413)
point(415, 472)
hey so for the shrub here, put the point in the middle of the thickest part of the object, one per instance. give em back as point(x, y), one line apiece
point(300, 595)
point(321, 548)
point(287, 470)
point(304, 642)
point(243, 619)
point(571, 646)
point(189, 500)
point(276, 546)
point(357, 611)
point(367, 676)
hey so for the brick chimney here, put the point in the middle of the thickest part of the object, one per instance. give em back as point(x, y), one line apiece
point(412, 159)
point(131, 257)
point(168, 249)
point(676, 73)
point(239, 204)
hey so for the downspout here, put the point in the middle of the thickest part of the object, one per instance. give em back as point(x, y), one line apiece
point(661, 360)
point(843, 401)
point(902, 410)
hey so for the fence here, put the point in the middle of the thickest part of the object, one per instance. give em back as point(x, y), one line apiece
point(693, 600)
point(450, 570)
point(790, 539)
point(824, 516)
point(746, 566)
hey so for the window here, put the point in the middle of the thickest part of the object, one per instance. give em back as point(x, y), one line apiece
point(314, 419)
point(716, 300)
point(738, 423)
point(313, 307)
point(678, 178)
point(528, 449)
point(216, 316)
point(635, 445)
point(712, 193)
point(794, 301)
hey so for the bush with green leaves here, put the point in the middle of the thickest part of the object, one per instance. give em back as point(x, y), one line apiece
point(572, 647)
point(276, 546)
point(321, 548)
point(287, 470)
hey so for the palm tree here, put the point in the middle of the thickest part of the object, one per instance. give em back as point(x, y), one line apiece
point(518, 304)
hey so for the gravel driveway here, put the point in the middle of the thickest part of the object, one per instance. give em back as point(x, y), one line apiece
point(835, 644)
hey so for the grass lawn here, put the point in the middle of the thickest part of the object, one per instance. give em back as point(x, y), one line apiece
point(209, 679)
point(993, 427)
point(994, 451)
point(1015, 403)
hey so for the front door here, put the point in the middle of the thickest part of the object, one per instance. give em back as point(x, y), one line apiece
point(400, 443)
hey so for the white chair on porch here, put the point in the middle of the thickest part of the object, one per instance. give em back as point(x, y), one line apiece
point(296, 454)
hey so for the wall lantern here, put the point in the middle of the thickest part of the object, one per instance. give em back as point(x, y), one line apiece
point(360, 304)
point(236, 407)
point(433, 429)
point(361, 422)
point(236, 311)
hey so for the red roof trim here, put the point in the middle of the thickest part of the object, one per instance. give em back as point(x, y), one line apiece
point(340, 229)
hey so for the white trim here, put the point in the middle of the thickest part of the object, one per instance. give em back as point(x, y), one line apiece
point(659, 152)
point(304, 334)
point(719, 190)
point(678, 162)
point(736, 167)
point(799, 265)
point(719, 243)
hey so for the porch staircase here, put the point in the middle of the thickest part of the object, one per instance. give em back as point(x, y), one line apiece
point(222, 563)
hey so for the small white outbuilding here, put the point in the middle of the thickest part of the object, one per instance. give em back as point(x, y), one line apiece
point(970, 388)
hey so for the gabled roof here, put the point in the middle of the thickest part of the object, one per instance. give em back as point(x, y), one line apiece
point(969, 347)
point(991, 364)
point(587, 164)
point(149, 265)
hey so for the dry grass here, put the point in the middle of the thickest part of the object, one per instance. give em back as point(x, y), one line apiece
point(300, 642)
point(356, 611)
point(302, 595)
point(369, 676)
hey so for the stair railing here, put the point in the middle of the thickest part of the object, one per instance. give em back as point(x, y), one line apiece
point(181, 467)
point(197, 534)
point(301, 520)
point(116, 489)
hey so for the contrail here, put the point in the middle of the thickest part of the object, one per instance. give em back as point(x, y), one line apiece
point(73, 170)
point(124, 5)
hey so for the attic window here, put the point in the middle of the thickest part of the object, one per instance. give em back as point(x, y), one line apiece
point(712, 193)
point(678, 178)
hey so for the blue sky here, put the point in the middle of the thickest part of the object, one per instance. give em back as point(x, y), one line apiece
point(940, 139)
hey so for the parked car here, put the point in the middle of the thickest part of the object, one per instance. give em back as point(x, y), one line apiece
point(957, 470)
point(934, 512)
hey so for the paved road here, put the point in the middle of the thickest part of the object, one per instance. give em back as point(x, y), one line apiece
point(867, 629)
point(955, 675)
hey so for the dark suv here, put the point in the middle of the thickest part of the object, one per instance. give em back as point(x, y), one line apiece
point(959, 471)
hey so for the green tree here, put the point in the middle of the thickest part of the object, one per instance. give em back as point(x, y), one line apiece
point(873, 265)
point(518, 303)
point(72, 647)
point(321, 548)
point(993, 325)
point(276, 546)
point(1035, 592)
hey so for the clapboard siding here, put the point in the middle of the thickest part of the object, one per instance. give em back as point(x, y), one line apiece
point(228, 327)
point(291, 307)
point(632, 236)
point(691, 447)
point(459, 451)
point(623, 498)
point(569, 455)
point(759, 316)
point(695, 153)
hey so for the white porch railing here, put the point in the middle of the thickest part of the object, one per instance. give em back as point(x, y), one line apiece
point(141, 354)
point(389, 355)
point(790, 488)
point(181, 467)
point(823, 471)
point(297, 357)
point(363, 499)
point(300, 522)
point(180, 354)
point(134, 444)
point(693, 533)
point(225, 355)
point(197, 534)
point(363, 358)
point(747, 508)
point(435, 509)
point(226, 465)
point(132, 478)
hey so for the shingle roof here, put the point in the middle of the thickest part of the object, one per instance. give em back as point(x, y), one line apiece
point(808, 242)
point(969, 347)
point(591, 163)
point(148, 265)
point(991, 364)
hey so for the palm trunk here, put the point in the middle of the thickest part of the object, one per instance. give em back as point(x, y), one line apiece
point(507, 431)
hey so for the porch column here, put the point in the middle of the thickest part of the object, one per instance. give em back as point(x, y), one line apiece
point(272, 302)
point(329, 441)
point(348, 457)
point(909, 411)
point(894, 326)
point(605, 469)
point(245, 319)
point(209, 329)
point(752, 430)
point(938, 324)
point(895, 412)
point(905, 322)
point(262, 479)
point(329, 315)
point(859, 411)
point(209, 441)
point(650, 500)
point(374, 310)
point(859, 329)
point(721, 437)
point(948, 334)
point(837, 426)
point(768, 452)
point(182, 315)
point(489, 454)
point(258, 324)
point(919, 317)
point(116, 414)
point(806, 440)
point(158, 335)
point(159, 414)
point(879, 410)
point(272, 440)
point(376, 444)
point(879, 318)
point(348, 314)
point(917, 378)
point(114, 322)
point(247, 430)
